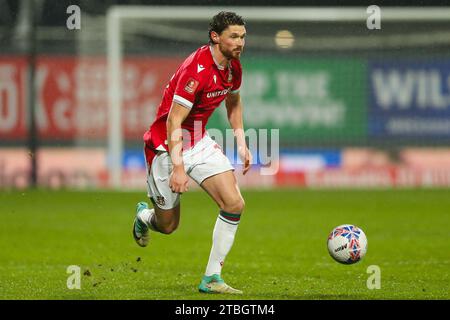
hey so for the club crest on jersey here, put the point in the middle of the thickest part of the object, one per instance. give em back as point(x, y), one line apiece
point(191, 85)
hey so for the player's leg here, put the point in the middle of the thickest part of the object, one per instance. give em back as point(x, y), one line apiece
point(160, 220)
point(156, 219)
point(224, 190)
point(164, 217)
point(166, 221)
point(214, 173)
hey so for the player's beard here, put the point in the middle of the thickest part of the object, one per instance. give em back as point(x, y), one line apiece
point(230, 54)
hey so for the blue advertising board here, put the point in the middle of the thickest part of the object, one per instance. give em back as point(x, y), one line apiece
point(409, 99)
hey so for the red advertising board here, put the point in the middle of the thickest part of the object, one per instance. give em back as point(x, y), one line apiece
point(72, 96)
point(12, 98)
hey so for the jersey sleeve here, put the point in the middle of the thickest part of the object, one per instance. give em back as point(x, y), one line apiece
point(188, 87)
point(237, 77)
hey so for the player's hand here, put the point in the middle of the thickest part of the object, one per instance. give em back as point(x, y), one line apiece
point(246, 158)
point(178, 181)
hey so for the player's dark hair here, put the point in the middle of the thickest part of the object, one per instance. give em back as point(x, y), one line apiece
point(222, 20)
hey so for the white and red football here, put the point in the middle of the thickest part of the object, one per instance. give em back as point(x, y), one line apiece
point(347, 244)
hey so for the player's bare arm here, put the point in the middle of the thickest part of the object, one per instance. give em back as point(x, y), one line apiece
point(233, 104)
point(178, 179)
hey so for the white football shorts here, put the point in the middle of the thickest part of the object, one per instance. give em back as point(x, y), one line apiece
point(204, 160)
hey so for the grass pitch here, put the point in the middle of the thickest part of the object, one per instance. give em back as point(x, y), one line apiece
point(279, 251)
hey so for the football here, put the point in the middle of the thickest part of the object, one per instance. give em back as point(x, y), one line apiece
point(347, 244)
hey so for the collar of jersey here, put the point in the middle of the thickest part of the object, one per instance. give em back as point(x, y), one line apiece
point(212, 56)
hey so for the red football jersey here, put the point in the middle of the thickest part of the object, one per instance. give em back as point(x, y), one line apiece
point(199, 84)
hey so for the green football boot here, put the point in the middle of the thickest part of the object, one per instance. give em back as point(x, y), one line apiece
point(215, 284)
point(141, 232)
